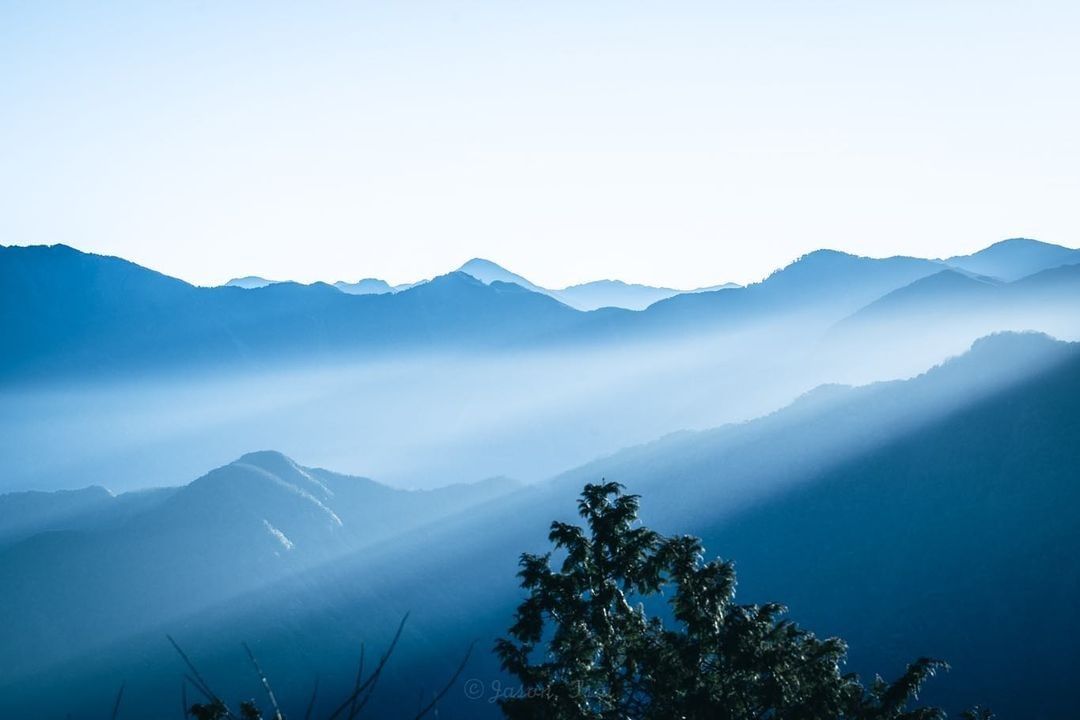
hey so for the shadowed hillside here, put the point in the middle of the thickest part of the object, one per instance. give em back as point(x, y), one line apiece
point(944, 503)
point(237, 528)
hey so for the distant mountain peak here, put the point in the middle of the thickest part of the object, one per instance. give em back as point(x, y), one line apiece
point(609, 282)
point(813, 261)
point(250, 282)
point(488, 272)
point(953, 276)
point(261, 457)
point(831, 255)
point(616, 284)
point(811, 265)
point(1011, 339)
point(586, 296)
point(264, 482)
point(1017, 242)
point(365, 286)
point(1015, 258)
point(479, 263)
point(826, 254)
point(457, 278)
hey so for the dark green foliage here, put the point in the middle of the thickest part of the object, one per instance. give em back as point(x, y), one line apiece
point(583, 645)
point(217, 710)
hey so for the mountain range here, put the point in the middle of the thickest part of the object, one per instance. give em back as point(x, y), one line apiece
point(71, 313)
point(1006, 260)
point(68, 312)
point(585, 296)
point(137, 375)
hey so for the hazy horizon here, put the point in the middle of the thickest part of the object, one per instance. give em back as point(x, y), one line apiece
point(679, 145)
point(344, 276)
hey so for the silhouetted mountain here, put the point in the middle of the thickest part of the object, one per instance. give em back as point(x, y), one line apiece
point(1062, 278)
point(943, 291)
point(1013, 259)
point(367, 286)
point(612, 293)
point(906, 517)
point(24, 514)
point(488, 272)
point(250, 282)
point(950, 307)
point(714, 288)
point(586, 296)
point(823, 284)
point(71, 312)
point(837, 278)
point(28, 513)
point(239, 527)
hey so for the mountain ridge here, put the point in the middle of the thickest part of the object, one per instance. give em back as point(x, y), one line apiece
point(235, 529)
point(1015, 258)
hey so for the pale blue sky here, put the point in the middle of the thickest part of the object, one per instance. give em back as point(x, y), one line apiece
point(676, 143)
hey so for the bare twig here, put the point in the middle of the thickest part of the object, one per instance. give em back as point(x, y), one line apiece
point(197, 680)
point(311, 703)
point(359, 679)
point(116, 706)
point(446, 688)
point(265, 682)
point(205, 692)
point(357, 707)
point(372, 679)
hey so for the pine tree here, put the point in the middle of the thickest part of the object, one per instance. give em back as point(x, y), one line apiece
point(584, 647)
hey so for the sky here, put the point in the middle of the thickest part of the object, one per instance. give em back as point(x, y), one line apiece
point(673, 143)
